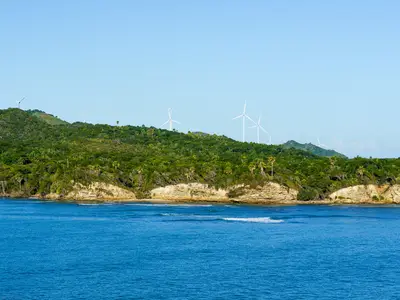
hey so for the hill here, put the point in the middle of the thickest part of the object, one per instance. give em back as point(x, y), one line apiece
point(36, 157)
point(312, 149)
point(48, 118)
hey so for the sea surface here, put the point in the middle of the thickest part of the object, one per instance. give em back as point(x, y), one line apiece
point(52, 250)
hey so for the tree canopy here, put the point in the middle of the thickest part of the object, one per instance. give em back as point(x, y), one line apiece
point(38, 157)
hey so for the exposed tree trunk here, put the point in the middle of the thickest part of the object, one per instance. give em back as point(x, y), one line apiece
point(3, 187)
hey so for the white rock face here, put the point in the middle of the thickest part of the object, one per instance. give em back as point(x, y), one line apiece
point(190, 191)
point(270, 192)
point(392, 193)
point(367, 194)
point(360, 193)
point(100, 191)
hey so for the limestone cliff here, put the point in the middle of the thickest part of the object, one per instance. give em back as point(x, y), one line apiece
point(96, 191)
point(190, 191)
point(367, 194)
point(392, 193)
point(270, 192)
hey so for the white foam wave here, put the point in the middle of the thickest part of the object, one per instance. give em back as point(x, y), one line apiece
point(254, 220)
point(171, 215)
point(195, 217)
point(191, 216)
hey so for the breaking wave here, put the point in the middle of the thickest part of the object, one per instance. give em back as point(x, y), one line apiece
point(193, 217)
point(254, 220)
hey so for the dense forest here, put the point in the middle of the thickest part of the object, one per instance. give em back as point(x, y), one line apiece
point(313, 149)
point(41, 156)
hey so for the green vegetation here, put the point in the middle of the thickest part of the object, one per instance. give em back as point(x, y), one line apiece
point(312, 149)
point(36, 157)
point(50, 119)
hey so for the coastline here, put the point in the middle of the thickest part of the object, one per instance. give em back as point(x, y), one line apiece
point(211, 201)
point(196, 193)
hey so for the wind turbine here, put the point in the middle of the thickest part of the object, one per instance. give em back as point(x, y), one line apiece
point(321, 145)
point(258, 126)
point(244, 116)
point(170, 121)
point(19, 102)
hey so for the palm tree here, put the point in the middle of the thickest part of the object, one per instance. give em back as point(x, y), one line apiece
point(228, 168)
point(252, 167)
point(190, 173)
point(3, 185)
point(361, 171)
point(271, 161)
point(115, 165)
point(262, 166)
point(140, 177)
point(332, 161)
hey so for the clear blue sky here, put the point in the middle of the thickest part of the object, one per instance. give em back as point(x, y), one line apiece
point(327, 69)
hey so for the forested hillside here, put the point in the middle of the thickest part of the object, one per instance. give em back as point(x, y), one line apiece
point(313, 149)
point(37, 157)
point(48, 118)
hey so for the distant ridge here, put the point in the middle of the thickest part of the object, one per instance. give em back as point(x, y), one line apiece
point(48, 118)
point(200, 133)
point(312, 149)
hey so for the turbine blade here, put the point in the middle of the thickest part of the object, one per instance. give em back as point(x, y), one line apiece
point(255, 126)
point(262, 128)
point(240, 116)
point(165, 123)
point(250, 119)
point(174, 121)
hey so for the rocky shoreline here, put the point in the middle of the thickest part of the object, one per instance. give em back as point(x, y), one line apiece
point(269, 194)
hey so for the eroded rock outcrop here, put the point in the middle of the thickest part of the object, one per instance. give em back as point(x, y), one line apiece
point(360, 193)
point(392, 193)
point(367, 194)
point(100, 191)
point(96, 191)
point(270, 192)
point(190, 191)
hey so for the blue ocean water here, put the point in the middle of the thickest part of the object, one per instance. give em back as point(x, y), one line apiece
point(54, 250)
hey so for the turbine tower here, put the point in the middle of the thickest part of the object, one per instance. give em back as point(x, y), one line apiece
point(170, 121)
point(258, 126)
point(244, 116)
point(19, 102)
